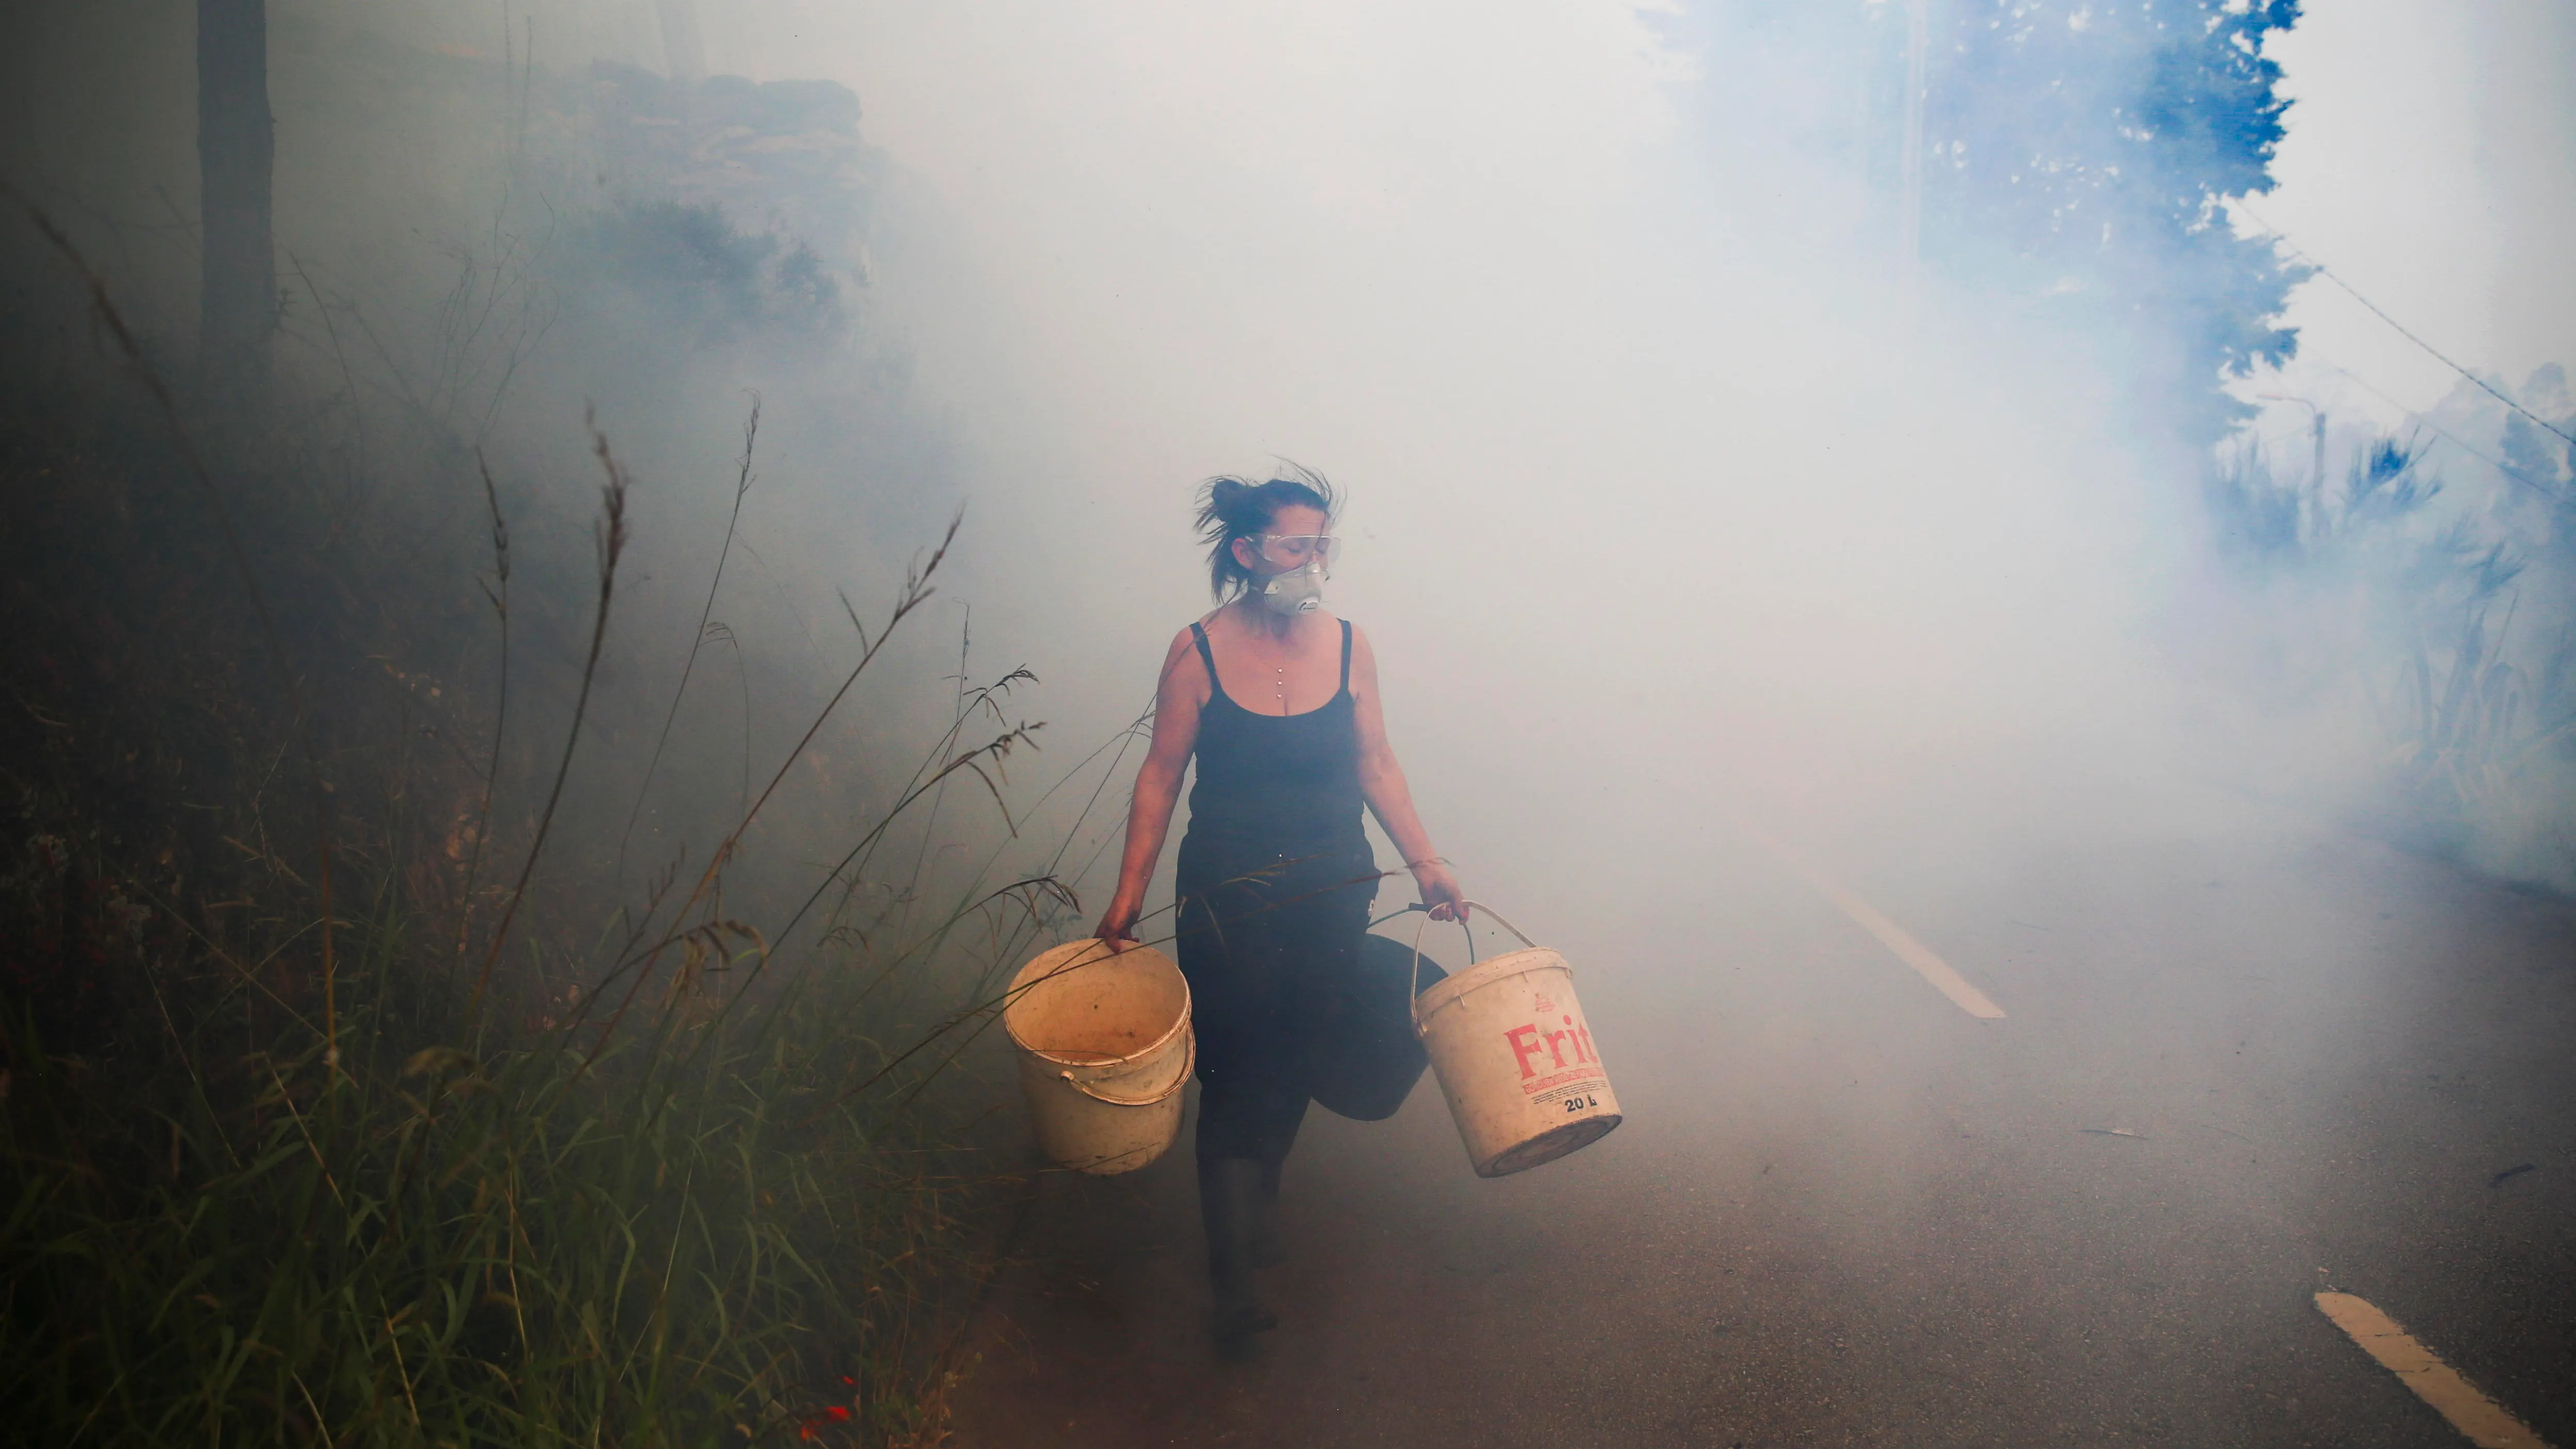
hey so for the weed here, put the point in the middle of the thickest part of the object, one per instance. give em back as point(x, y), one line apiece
point(282, 1172)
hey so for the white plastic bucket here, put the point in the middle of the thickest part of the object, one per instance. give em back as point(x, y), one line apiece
point(1515, 1058)
point(1105, 1049)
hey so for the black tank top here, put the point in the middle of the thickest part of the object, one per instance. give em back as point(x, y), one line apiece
point(1291, 779)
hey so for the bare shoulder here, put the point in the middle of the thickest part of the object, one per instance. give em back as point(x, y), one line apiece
point(1360, 650)
point(1363, 663)
point(1178, 670)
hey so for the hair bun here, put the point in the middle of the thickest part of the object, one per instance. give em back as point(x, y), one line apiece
point(1238, 503)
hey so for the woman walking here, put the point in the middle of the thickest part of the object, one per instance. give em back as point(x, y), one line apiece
point(1278, 700)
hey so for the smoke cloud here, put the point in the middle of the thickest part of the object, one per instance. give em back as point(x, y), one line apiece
point(1676, 492)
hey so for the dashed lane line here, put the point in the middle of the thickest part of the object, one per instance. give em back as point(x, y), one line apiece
point(2482, 1420)
point(1891, 935)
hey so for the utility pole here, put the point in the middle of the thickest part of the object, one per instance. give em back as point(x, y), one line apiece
point(684, 49)
point(2316, 435)
point(1918, 25)
point(236, 159)
point(2314, 505)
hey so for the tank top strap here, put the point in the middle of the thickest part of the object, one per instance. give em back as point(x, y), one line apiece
point(1346, 656)
point(1216, 686)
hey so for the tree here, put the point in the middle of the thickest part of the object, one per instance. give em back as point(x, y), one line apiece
point(236, 153)
point(2083, 153)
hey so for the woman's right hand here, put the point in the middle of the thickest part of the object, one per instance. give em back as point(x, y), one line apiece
point(1117, 928)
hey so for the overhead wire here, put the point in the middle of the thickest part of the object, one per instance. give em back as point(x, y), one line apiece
point(2543, 489)
point(2377, 311)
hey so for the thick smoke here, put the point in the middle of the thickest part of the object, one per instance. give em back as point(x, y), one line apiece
point(1737, 507)
point(1677, 489)
point(1672, 494)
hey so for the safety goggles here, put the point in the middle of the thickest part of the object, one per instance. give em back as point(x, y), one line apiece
point(1298, 550)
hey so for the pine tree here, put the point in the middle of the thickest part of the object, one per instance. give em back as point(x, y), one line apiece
point(2081, 153)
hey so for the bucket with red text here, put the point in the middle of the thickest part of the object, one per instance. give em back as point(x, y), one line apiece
point(1516, 1058)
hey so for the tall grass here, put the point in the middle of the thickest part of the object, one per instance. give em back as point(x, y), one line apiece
point(647, 1240)
point(658, 1203)
point(446, 1182)
point(673, 1198)
point(2453, 611)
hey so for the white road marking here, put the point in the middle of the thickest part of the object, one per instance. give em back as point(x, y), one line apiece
point(1891, 935)
point(2482, 1420)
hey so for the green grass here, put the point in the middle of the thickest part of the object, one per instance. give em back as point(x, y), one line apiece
point(700, 1197)
point(698, 1232)
point(678, 1191)
point(368, 1168)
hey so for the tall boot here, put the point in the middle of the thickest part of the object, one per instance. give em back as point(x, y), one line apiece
point(1229, 1196)
point(1269, 1249)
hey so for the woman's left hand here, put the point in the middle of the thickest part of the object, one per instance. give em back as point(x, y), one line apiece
point(1440, 891)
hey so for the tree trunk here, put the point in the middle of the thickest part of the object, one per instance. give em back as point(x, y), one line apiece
point(236, 152)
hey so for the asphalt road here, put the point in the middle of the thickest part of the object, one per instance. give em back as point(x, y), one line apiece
point(1841, 1211)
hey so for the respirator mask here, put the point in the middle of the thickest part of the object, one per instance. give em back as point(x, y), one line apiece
point(1303, 561)
point(1299, 591)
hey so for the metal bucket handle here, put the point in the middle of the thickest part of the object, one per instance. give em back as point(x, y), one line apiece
point(1189, 1063)
point(1413, 1001)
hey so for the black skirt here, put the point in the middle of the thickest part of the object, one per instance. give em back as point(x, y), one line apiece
point(1269, 936)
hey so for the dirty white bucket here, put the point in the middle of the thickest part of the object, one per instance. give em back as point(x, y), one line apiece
point(1515, 1058)
point(1105, 1048)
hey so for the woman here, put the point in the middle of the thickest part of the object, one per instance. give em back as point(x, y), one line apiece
point(1278, 700)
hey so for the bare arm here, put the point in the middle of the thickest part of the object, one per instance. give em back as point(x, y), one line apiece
point(1389, 798)
point(1178, 698)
